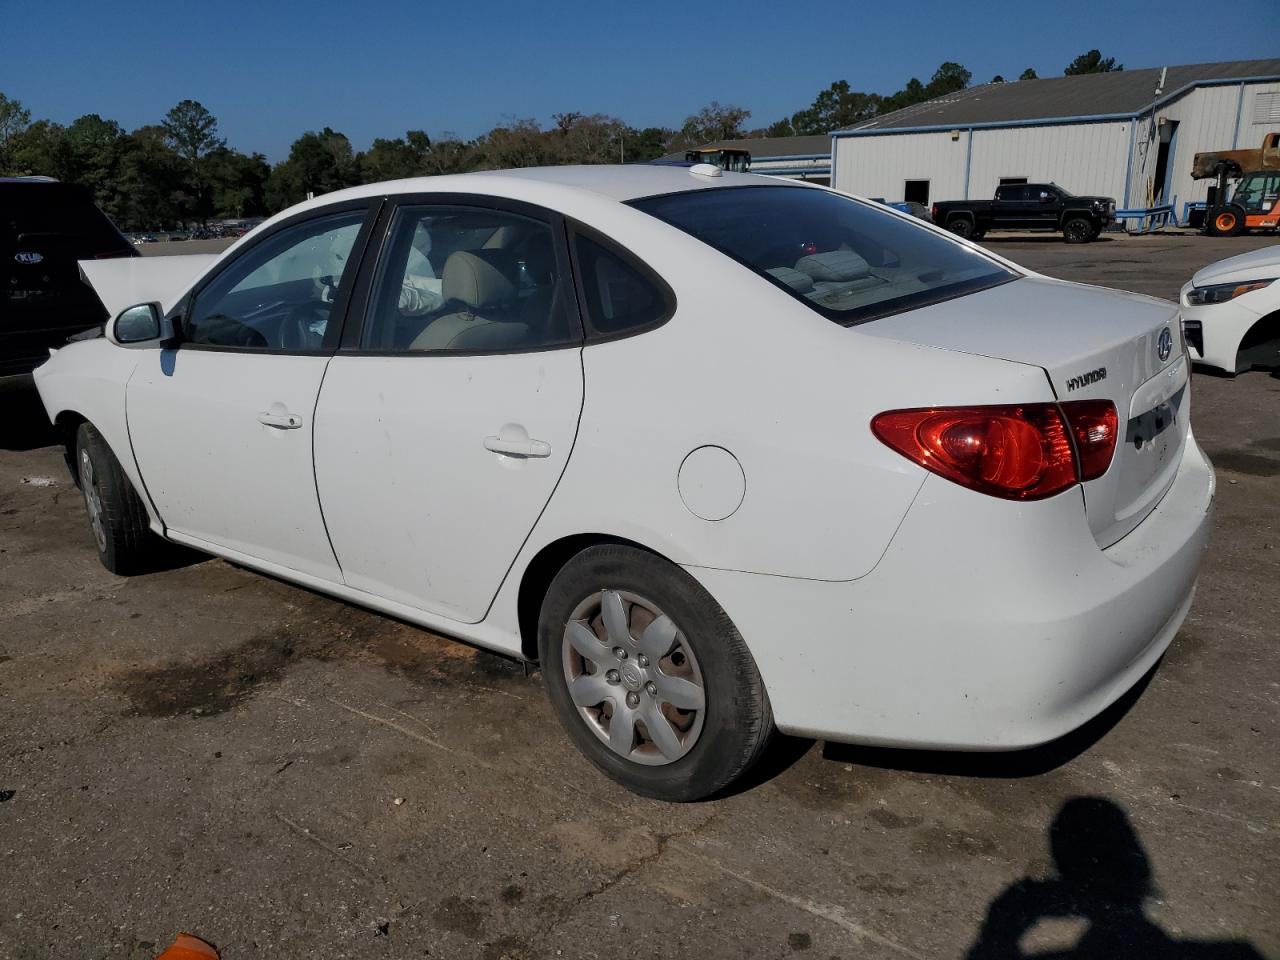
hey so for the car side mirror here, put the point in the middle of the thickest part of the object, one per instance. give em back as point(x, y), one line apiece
point(141, 323)
point(1046, 198)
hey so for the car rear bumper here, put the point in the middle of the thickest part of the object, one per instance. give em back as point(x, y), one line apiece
point(987, 625)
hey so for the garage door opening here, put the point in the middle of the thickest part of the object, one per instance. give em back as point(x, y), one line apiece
point(916, 191)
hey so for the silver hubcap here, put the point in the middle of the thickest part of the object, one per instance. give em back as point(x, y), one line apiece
point(633, 677)
point(92, 500)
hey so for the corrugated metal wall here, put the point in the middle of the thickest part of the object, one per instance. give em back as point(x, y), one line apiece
point(1084, 158)
point(877, 166)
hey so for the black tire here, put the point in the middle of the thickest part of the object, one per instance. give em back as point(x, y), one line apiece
point(1224, 221)
point(961, 227)
point(977, 235)
point(126, 544)
point(737, 721)
point(1078, 230)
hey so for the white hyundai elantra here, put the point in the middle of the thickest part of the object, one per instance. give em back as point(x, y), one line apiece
point(724, 454)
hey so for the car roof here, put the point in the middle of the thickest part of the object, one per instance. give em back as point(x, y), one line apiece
point(621, 182)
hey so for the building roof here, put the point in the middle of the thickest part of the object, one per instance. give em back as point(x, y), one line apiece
point(1121, 93)
point(768, 148)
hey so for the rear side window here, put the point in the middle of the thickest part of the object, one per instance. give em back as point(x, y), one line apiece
point(847, 260)
point(56, 212)
point(620, 295)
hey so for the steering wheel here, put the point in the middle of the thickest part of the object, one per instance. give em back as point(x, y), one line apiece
point(298, 331)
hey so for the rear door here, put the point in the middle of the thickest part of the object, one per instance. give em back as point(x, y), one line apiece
point(1009, 209)
point(222, 425)
point(45, 228)
point(448, 416)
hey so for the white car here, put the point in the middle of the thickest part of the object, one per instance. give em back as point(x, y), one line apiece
point(1231, 312)
point(724, 454)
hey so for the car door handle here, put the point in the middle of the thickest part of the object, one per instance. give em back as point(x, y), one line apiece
point(282, 421)
point(518, 448)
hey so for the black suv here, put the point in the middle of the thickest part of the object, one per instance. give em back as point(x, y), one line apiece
point(1028, 206)
point(45, 227)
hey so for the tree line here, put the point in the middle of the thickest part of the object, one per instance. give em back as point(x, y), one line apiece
point(180, 171)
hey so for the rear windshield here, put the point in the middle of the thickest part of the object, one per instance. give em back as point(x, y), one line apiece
point(846, 259)
point(55, 212)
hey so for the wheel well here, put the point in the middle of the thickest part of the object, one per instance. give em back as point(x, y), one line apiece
point(67, 423)
point(1261, 343)
point(537, 577)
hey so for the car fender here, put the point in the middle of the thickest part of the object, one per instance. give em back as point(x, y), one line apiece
point(87, 380)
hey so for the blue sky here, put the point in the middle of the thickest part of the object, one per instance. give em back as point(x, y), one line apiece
point(272, 69)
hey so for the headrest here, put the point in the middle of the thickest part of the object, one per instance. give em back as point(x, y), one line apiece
point(835, 265)
point(797, 281)
point(475, 281)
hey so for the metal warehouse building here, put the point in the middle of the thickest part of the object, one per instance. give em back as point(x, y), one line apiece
point(1129, 135)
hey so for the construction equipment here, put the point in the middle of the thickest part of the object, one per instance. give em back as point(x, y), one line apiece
point(1255, 203)
point(726, 158)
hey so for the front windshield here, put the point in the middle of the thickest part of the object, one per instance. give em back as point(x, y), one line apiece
point(850, 261)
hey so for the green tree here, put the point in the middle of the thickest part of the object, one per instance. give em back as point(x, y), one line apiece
point(835, 108)
point(238, 182)
point(1029, 74)
point(645, 144)
point(95, 147)
point(14, 120)
point(192, 131)
point(1091, 62)
point(317, 163)
point(42, 150)
point(152, 181)
point(997, 79)
point(948, 78)
point(714, 122)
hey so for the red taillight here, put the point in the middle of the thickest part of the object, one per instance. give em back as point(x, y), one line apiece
point(1093, 426)
point(1016, 452)
point(933, 211)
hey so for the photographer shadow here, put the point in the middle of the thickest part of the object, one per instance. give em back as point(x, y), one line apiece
point(1104, 879)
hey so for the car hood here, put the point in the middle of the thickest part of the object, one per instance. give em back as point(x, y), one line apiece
point(1261, 264)
point(125, 282)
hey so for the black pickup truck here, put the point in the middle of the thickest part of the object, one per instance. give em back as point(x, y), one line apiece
point(1028, 206)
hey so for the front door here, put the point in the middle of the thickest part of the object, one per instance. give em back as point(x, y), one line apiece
point(442, 431)
point(222, 425)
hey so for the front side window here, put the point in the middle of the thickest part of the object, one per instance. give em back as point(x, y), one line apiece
point(847, 260)
point(279, 293)
point(468, 279)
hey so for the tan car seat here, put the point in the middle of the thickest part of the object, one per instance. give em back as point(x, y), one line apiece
point(484, 297)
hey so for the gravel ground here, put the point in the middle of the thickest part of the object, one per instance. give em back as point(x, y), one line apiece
point(210, 750)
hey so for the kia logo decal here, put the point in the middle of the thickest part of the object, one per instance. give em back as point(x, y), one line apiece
point(1164, 346)
point(28, 256)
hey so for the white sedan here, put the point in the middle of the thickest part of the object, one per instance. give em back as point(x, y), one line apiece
point(1231, 312)
point(724, 454)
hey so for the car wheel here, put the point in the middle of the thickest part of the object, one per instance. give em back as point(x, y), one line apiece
point(125, 541)
point(1077, 230)
point(648, 675)
point(1225, 221)
point(961, 227)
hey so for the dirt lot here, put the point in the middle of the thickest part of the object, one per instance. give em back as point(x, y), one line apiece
point(210, 750)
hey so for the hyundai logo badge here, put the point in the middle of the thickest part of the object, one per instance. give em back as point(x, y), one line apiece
point(1164, 346)
point(28, 256)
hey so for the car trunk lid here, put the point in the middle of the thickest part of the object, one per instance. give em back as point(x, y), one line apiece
point(1093, 344)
